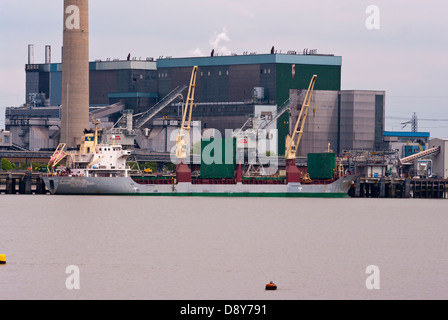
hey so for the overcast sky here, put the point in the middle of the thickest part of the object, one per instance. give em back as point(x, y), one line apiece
point(407, 56)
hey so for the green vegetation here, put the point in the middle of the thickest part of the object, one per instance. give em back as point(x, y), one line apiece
point(6, 165)
point(150, 165)
point(171, 166)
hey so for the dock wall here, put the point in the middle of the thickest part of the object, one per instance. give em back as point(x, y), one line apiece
point(399, 188)
point(21, 183)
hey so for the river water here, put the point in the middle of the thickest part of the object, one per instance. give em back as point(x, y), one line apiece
point(222, 248)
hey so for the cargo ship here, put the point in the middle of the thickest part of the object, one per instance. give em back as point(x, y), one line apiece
point(102, 169)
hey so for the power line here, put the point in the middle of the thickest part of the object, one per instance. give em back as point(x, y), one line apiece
point(413, 97)
point(419, 119)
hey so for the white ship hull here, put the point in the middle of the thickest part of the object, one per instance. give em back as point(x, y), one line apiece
point(127, 186)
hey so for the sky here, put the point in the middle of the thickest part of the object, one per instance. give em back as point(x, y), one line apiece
point(400, 47)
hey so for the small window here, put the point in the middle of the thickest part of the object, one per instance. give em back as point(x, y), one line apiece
point(227, 72)
point(219, 72)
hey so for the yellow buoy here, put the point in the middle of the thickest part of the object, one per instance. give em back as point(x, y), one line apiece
point(2, 259)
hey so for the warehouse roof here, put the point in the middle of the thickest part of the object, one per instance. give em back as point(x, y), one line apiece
point(310, 59)
point(99, 65)
point(406, 134)
point(250, 59)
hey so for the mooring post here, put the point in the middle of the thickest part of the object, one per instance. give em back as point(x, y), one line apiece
point(10, 184)
point(27, 183)
point(357, 187)
point(382, 193)
point(407, 188)
point(392, 193)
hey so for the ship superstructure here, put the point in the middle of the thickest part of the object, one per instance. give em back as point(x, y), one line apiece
point(92, 159)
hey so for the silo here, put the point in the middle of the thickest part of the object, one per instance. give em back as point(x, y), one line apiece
point(47, 54)
point(30, 54)
point(75, 72)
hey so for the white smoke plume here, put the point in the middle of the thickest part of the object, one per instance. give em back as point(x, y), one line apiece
point(217, 44)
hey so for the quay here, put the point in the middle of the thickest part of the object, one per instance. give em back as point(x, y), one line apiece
point(21, 183)
point(399, 188)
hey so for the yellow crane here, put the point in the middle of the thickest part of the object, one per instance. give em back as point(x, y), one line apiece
point(293, 140)
point(184, 132)
point(183, 173)
point(291, 143)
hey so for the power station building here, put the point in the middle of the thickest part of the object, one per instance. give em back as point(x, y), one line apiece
point(228, 88)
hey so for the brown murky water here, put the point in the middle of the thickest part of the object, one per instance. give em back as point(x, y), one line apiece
point(222, 248)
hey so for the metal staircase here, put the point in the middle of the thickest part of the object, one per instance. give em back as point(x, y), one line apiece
point(267, 121)
point(170, 97)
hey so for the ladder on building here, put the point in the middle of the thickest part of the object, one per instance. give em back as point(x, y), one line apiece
point(145, 117)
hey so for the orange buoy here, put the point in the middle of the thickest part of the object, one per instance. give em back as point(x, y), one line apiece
point(271, 286)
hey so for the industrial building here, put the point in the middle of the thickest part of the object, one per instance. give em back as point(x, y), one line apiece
point(135, 82)
point(229, 89)
point(343, 120)
point(406, 143)
point(228, 86)
point(440, 163)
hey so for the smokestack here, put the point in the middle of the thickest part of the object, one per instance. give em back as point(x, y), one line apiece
point(47, 54)
point(30, 54)
point(75, 72)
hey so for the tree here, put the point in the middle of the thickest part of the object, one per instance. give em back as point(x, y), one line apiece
point(6, 165)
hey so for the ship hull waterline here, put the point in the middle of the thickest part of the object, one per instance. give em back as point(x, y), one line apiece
point(126, 186)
